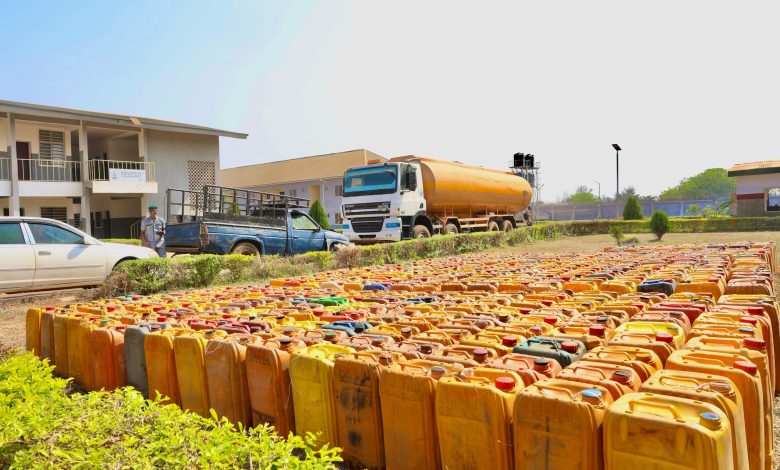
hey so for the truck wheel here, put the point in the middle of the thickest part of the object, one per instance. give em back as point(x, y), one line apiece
point(421, 231)
point(450, 229)
point(492, 226)
point(245, 248)
point(507, 226)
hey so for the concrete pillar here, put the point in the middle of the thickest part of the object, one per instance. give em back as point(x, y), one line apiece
point(85, 182)
point(14, 204)
point(142, 153)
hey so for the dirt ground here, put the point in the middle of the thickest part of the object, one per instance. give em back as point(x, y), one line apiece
point(12, 310)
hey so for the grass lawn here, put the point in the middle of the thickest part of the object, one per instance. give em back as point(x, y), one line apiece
point(599, 242)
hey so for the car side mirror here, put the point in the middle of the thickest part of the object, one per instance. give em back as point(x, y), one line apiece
point(411, 181)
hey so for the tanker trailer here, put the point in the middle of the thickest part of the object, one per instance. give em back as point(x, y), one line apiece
point(415, 197)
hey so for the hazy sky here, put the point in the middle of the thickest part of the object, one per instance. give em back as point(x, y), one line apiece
point(681, 86)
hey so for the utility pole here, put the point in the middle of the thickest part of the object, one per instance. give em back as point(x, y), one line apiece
point(599, 188)
point(617, 170)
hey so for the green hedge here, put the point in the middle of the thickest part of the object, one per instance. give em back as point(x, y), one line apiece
point(182, 272)
point(125, 241)
point(45, 427)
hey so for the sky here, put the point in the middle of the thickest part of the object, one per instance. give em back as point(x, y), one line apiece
point(680, 86)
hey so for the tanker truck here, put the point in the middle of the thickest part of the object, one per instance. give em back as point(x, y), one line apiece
point(416, 197)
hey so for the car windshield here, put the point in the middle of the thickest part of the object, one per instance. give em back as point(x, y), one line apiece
point(374, 180)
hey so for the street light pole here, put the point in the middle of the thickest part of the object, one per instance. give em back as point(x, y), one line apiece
point(599, 188)
point(617, 170)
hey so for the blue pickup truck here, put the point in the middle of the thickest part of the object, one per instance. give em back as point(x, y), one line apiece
point(223, 220)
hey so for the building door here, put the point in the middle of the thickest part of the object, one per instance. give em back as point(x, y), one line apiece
point(23, 158)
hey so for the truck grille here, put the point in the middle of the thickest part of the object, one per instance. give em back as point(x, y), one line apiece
point(367, 225)
point(367, 208)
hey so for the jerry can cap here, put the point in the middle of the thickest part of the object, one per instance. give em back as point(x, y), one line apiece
point(746, 366)
point(755, 310)
point(664, 337)
point(161, 319)
point(724, 388)
point(755, 343)
point(644, 356)
point(621, 376)
point(103, 321)
point(426, 348)
point(592, 395)
point(597, 330)
point(747, 330)
point(505, 384)
point(154, 327)
point(709, 420)
point(570, 346)
point(536, 329)
point(386, 359)
point(509, 341)
point(602, 319)
point(541, 363)
point(438, 371)
point(285, 341)
point(551, 320)
point(748, 320)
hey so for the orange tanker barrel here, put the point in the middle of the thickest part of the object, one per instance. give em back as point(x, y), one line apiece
point(465, 190)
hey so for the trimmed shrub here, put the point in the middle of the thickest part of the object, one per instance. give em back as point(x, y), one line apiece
point(617, 233)
point(44, 427)
point(124, 241)
point(317, 212)
point(632, 210)
point(659, 224)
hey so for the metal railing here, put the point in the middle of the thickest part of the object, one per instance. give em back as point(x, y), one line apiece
point(230, 204)
point(115, 170)
point(135, 230)
point(49, 170)
point(5, 169)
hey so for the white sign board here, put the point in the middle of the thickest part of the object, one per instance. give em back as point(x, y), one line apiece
point(130, 176)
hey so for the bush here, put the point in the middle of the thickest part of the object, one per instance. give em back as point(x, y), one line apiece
point(124, 241)
point(317, 212)
point(632, 210)
point(617, 233)
point(43, 427)
point(659, 224)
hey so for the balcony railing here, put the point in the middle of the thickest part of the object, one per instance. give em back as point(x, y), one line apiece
point(5, 169)
point(115, 170)
point(49, 170)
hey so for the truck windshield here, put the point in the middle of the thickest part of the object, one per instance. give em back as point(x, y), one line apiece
point(374, 180)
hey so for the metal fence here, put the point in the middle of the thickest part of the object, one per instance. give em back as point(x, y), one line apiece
point(48, 170)
point(109, 170)
point(615, 210)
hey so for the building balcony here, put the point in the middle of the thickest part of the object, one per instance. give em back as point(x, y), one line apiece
point(114, 176)
point(37, 175)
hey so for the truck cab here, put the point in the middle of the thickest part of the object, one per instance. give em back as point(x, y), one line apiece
point(381, 201)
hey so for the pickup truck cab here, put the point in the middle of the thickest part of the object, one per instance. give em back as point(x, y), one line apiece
point(239, 221)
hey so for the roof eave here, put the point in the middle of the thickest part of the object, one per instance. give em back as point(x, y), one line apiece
point(754, 172)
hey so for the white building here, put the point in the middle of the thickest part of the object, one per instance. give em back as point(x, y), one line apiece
point(758, 188)
point(316, 178)
point(99, 171)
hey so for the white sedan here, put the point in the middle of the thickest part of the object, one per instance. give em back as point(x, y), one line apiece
point(38, 253)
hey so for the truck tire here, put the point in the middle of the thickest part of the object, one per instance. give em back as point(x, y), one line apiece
point(245, 248)
point(421, 231)
point(450, 229)
point(507, 226)
point(492, 226)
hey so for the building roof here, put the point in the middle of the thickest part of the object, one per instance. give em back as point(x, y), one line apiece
point(313, 168)
point(111, 119)
point(755, 168)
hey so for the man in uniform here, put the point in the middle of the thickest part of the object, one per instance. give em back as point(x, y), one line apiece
point(153, 231)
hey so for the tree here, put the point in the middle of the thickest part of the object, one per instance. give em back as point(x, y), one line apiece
point(711, 183)
point(632, 210)
point(582, 195)
point(659, 224)
point(627, 193)
point(317, 212)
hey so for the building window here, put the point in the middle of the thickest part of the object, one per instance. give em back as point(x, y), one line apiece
point(56, 213)
point(97, 217)
point(339, 190)
point(51, 145)
point(773, 200)
point(293, 192)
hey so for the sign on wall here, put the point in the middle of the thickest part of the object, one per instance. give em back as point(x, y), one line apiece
point(124, 175)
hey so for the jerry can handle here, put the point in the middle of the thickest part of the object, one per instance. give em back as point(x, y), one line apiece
point(632, 404)
point(576, 367)
point(455, 352)
point(709, 360)
point(553, 388)
point(693, 383)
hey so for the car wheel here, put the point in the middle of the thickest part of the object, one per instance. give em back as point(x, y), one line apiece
point(492, 226)
point(507, 226)
point(245, 248)
point(421, 231)
point(450, 229)
point(336, 247)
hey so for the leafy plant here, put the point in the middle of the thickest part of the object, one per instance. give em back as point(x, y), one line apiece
point(711, 183)
point(583, 195)
point(693, 209)
point(617, 233)
point(659, 224)
point(317, 212)
point(632, 210)
point(44, 427)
